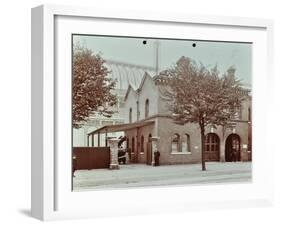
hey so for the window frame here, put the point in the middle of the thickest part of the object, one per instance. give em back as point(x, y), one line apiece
point(178, 143)
point(130, 115)
point(146, 110)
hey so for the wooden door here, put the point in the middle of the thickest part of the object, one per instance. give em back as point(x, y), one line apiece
point(212, 147)
point(149, 153)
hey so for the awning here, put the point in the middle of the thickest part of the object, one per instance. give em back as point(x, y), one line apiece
point(121, 127)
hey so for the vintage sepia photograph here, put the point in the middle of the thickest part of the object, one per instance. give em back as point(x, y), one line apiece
point(152, 112)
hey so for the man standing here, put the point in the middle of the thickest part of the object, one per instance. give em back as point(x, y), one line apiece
point(156, 157)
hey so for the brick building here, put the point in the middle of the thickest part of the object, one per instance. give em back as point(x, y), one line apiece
point(147, 118)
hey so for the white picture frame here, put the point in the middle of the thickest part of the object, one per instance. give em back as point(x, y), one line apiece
point(52, 197)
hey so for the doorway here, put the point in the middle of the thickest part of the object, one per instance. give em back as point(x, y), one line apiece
point(232, 148)
point(212, 147)
point(149, 150)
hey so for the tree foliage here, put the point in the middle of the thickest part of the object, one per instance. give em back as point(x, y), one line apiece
point(92, 88)
point(200, 95)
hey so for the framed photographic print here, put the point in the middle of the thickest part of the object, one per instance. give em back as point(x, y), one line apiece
point(134, 112)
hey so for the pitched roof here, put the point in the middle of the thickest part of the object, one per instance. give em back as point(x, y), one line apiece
point(126, 74)
point(135, 89)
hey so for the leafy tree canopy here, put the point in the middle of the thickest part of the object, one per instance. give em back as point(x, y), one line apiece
point(198, 94)
point(92, 88)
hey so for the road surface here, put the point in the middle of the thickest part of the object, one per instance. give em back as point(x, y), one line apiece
point(140, 175)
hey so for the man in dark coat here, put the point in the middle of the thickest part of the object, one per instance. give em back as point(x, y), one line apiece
point(156, 157)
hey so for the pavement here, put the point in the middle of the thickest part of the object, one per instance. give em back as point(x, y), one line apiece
point(140, 175)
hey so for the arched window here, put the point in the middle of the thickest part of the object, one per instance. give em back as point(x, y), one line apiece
point(142, 145)
point(146, 108)
point(176, 143)
point(186, 143)
point(130, 115)
point(133, 145)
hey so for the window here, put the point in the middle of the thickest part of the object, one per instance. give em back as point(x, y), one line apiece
point(142, 145)
point(249, 114)
point(146, 108)
point(176, 143)
point(185, 146)
point(138, 111)
point(130, 115)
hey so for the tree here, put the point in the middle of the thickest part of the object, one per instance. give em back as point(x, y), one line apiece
point(199, 95)
point(92, 88)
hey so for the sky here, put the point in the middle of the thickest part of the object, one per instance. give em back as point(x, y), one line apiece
point(132, 50)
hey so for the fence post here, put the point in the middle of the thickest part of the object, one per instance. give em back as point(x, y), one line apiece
point(155, 147)
point(113, 144)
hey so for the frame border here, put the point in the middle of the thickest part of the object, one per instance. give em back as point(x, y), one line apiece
point(43, 158)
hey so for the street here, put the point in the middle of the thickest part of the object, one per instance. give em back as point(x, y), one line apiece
point(140, 175)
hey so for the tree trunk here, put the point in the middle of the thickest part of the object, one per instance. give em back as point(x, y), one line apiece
point(202, 130)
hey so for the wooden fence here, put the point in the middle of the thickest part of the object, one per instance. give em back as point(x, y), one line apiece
point(91, 158)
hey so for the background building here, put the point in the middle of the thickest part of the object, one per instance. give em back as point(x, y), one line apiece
point(124, 74)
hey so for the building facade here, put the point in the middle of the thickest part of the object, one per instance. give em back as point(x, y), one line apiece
point(149, 116)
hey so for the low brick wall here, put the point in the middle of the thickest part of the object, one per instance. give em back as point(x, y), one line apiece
point(91, 158)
